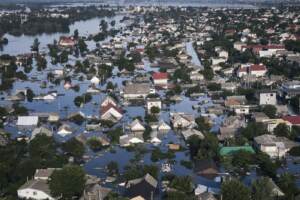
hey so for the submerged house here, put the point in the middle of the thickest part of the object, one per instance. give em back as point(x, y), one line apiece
point(37, 188)
point(137, 91)
point(145, 187)
point(110, 112)
point(27, 121)
point(182, 120)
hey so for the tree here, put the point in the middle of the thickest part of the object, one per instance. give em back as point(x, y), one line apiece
point(35, 45)
point(203, 125)
point(282, 130)
point(286, 182)
point(68, 182)
point(82, 45)
point(30, 95)
point(234, 189)
point(76, 34)
point(41, 63)
point(112, 168)
point(95, 144)
point(253, 129)
point(155, 110)
point(262, 189)
point(242, 159)
point(74, 148)
point(270, 111)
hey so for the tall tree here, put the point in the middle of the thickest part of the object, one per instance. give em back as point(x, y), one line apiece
point(68, 183)
point(262, 189)
point(234, 189)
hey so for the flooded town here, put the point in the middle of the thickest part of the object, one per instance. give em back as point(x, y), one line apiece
point(149, 101)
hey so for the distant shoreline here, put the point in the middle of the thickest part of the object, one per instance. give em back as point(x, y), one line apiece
point(251, 4)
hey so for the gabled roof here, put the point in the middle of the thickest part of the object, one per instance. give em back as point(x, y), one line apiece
point(144, 187)
point(40, 185)
point(257, 68)
point(295, 120)
point(104, 109)
point(160, 75)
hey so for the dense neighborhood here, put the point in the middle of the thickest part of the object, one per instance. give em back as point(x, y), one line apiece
point(104, 102)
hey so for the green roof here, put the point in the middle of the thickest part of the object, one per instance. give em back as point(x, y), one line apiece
point(225, 151)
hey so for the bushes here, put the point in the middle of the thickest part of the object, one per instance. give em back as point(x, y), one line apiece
point(157, 155)
point(95, 144)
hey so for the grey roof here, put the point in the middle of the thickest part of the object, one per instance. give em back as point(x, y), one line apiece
point(206, 196)
point(40, 185)
point(272, 140)
point(148, 178)
point(190, 132)
point(41, 131)
point(137, 89)
point(43, 173)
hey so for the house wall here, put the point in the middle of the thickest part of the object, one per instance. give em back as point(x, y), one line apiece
point(160, 81)
point(267, 99)
point(258, 73)
point(33, 194)
point(153, 104)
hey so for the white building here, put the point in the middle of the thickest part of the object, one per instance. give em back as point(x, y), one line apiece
point(267, 98)
point(153, 102)
point(37, 188)
point(275, 147)
point(27, 121)
point(137, 126)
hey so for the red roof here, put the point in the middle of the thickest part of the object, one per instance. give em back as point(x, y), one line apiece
point(295, 120)
point(160, 75)
point(104, 109)
point(258, 68)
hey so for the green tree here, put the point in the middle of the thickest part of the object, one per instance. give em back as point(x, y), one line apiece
point(35, 45)
point(282, 130)
point(82, 45)
point(67, 183)
point(270, 111)
point(262, 189)
point(155, 110)
point(74, 148)
point(286, 182)
point(112, 168)
point(253, 129)
point(234, 189)
point(95, 144)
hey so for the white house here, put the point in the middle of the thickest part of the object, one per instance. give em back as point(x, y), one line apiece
point(111, 113)
point(258, 70)
point(108, 100)
point(27, 121)
point(181, 120)
point(163, 126)
point(242, 110)
point(95, 80)
point(137, 91)
point(153, 102)
point(275, 147)
point(137, 126)
point(216, 61)
point(64, 130)
point(267, 98)
point(160, 78)
point(37, 188)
